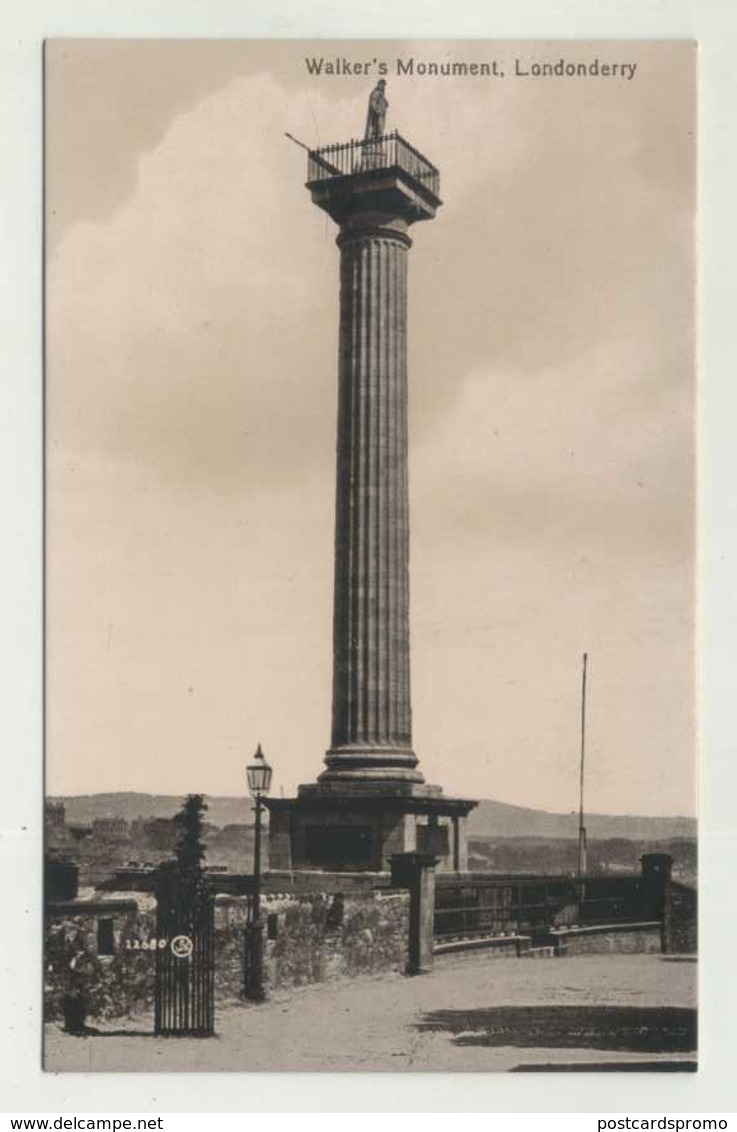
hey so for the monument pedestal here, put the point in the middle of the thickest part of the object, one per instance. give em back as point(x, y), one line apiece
point(359, 828)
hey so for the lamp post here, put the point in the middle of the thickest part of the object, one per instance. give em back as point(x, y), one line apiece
point(258, 774)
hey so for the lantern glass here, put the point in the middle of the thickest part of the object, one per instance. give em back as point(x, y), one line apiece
point(259, 775)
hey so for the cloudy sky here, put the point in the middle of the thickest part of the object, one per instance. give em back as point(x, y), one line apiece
point(191, 404)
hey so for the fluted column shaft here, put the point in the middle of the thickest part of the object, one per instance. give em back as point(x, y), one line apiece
point(372, 722)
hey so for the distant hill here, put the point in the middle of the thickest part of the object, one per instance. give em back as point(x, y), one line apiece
point(84, 808)
point(499, 819)
point(489, 819)
point(559, 856)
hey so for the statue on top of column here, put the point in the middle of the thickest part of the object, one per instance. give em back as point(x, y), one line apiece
point(377, 108)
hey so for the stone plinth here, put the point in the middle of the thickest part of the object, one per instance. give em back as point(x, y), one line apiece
point(347, 832)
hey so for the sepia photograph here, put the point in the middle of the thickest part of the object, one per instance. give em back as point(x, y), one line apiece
point(370, 555)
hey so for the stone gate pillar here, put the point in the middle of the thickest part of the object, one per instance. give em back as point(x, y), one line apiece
point(416, 871)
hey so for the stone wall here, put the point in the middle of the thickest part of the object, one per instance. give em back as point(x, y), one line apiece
point(609, 939)
point(112, 986)
point(503, 947)
point(310, 938)
point(314, 937)
point(680, 924)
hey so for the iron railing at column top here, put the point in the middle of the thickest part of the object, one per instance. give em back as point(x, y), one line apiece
point(359, 156)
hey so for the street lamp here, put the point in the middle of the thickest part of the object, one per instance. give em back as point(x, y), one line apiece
point(258, 774)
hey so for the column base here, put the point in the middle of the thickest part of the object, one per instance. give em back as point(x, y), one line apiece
point(373, 764)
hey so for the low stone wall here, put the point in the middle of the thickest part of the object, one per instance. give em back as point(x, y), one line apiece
point(314, 937)
point(293, 883)
point(309, 938)
point(510, 947)
point(608, 939)
point(111, 986)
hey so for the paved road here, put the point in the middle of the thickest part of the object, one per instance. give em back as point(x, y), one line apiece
point(472, 1012)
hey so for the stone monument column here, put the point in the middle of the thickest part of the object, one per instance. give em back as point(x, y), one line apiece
point(372, 719)
point(371, 802)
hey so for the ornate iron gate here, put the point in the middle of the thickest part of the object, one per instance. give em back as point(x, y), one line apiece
point(185, 957)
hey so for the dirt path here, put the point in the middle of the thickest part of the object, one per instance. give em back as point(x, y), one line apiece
point(471, 1012)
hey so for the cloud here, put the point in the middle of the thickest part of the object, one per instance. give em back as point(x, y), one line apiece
point(191, 396)
point(184, 333)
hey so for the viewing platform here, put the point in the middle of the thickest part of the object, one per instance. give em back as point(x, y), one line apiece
point(387, 169)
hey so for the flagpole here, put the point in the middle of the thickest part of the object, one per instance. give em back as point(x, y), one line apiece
point(581, 826)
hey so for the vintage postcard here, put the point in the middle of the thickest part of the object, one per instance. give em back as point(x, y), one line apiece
point(370, 555)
